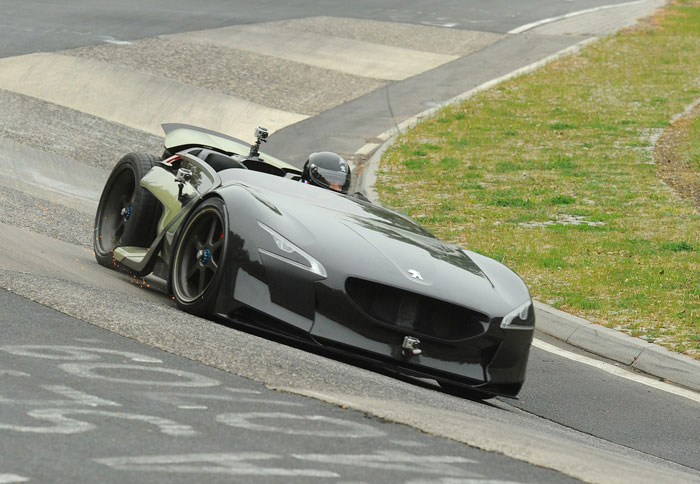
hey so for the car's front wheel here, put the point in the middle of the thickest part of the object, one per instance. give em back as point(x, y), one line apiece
point(127, 214)
point(198, 258)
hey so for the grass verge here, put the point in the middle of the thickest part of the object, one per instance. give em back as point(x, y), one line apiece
point(553, 173)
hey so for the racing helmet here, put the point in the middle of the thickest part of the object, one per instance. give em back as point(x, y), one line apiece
point(327, 170)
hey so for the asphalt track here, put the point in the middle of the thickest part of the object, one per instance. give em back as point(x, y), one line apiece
point(594, 426)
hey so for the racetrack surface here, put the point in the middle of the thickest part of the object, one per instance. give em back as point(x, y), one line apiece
point(57, 145)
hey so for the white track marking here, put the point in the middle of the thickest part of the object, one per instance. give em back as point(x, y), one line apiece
point(397, 461)
point(348, 429)
point(188, 400)
point(79, 397)
point(76, 397)
point(188, 379)
point(617, 371)
point(243, 390)
point(73, 353)
point(135, 99)
point(245, 464)
point(10, 478)
point(447, 25)
point(13, 373)
point(460, 480)
point(350, 56)
point(234, 464)
point(532, 25)
point(66, 426)
point(111, 40)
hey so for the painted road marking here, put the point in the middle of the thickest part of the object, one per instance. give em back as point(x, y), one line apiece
point(76, 397)
point(66, 426)
point(397, 461)
point(72, 353)
point(526, 27)
point(447, 25)
point(458, 480)
point(111, 40)
point(356, 57)
point(184, 400)
point(348, 429)
point(10, 478)
point(12, 373)
point(81, 398)
point(617, 371)
point(135, 99)
point(239, 463)
point(188, 379)
point(234, 464)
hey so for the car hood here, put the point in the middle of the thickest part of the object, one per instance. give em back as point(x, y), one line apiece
point(440, 270)
point(355, 238)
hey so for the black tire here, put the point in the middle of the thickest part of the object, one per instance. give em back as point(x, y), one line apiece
point(127, 213)
point(198, 258)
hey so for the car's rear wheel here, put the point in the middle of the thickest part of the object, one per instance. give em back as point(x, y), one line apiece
point(198, 258)
point(127, 214)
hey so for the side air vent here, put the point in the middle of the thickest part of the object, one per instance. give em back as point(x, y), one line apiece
point(414, 312)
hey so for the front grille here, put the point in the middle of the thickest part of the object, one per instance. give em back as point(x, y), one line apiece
point(415, 313)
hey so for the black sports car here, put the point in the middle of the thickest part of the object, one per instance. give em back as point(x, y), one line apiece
point(238, 237)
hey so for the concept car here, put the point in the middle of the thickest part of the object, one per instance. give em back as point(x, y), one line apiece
point(237, 236)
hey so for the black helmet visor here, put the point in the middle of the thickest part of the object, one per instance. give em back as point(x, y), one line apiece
point(333, 179)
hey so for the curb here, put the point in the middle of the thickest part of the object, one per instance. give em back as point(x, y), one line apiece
point(633, 352)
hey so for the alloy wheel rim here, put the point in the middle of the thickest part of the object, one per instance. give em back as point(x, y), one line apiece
point(199, 255)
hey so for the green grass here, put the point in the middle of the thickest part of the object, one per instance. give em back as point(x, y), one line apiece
point(574, 139)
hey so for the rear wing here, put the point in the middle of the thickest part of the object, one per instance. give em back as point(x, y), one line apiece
point(180, 136)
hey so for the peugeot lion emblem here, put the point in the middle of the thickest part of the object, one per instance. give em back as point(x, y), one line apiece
point(415, 274)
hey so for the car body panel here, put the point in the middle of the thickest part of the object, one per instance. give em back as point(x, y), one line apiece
point(161, 183)
point(134, 254)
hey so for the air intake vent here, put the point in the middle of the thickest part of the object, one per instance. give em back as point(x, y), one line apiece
point(414, 312)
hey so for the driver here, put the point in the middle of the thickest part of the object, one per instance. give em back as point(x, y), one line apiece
point(327, 170)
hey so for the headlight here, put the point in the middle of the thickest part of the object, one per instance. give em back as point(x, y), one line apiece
point(292, 254)
point(518, 318)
